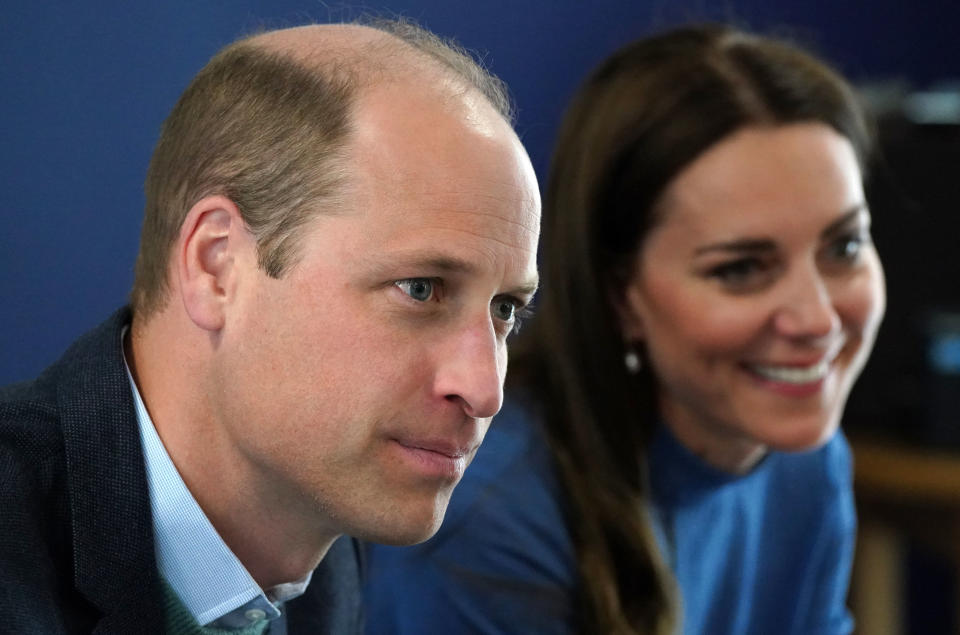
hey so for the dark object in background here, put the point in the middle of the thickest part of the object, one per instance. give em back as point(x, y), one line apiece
point(942, 365)
point(910, 390)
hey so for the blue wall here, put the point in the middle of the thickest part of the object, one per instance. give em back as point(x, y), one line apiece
point(85, 87)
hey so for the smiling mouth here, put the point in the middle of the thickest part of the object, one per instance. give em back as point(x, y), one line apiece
point(796, 375)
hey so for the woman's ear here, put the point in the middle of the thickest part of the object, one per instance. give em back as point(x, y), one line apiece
point(629, 304)
point(209, 255)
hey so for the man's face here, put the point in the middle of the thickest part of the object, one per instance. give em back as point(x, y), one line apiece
point(358, 387)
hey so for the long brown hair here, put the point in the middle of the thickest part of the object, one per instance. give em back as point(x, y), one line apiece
point(644, 115)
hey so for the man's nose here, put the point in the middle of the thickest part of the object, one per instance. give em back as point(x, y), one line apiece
point(473, 370)
point(806, 309)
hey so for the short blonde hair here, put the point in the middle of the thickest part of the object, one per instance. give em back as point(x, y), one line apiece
point(270, 133)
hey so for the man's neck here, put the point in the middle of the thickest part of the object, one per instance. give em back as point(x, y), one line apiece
point(266, 530)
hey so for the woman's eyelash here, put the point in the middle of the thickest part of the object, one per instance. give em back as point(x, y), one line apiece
point(736, 269)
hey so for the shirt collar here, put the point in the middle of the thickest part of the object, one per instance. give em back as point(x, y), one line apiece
point(209, 579)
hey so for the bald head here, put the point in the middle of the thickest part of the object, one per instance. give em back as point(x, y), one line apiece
point(366, 53)
point(385, 51)
point(267, 123)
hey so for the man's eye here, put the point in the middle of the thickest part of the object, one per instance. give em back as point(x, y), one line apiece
point(420, 289)
point(504, 310)
point(511, 312)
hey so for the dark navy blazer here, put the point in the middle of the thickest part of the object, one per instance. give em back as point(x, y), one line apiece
point(76, 535)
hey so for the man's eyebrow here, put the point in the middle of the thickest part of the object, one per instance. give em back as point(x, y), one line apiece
point(433, 262)
point(527, 289)
point(765, 245)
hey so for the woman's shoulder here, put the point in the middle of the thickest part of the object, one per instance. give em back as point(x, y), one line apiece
point(829, 467)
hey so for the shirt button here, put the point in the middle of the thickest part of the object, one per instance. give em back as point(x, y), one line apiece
point(254, 615)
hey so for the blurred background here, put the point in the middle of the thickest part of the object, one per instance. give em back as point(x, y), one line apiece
point(85, 87)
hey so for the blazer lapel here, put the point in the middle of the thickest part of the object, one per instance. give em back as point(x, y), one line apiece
point(112, 528)
point(115, 566)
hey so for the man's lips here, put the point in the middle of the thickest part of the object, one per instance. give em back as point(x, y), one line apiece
point(443, 447)
point(435, 458)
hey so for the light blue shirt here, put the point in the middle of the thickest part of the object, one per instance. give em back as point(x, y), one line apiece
point(210, 580)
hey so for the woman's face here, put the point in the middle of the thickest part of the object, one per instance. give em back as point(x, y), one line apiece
point(758, 294)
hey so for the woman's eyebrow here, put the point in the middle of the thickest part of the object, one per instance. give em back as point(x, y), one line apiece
point(848, 217)
point(741, 245)
point(764, 245)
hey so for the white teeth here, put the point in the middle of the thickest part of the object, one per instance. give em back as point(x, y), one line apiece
point(793, 374)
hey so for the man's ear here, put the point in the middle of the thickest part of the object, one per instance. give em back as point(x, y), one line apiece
point(212, 250)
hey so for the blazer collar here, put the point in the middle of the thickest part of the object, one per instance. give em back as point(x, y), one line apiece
point(115, 566)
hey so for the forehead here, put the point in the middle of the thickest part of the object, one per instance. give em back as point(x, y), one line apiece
point(766, 180)
point(434, 162)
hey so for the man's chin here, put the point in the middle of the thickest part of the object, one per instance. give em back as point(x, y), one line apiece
point(405, 529)
point(407, 535)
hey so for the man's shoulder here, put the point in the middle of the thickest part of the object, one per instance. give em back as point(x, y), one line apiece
point(30, 400)
point(31, 444)
point(75, 546)
point(35, 454)
point(31, 411)
point(35, 523)
point(31, 440)
point(33, 461)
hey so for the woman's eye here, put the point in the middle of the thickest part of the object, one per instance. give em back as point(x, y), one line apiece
point(847, 248)
point(738, 272)
point(420, 289)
